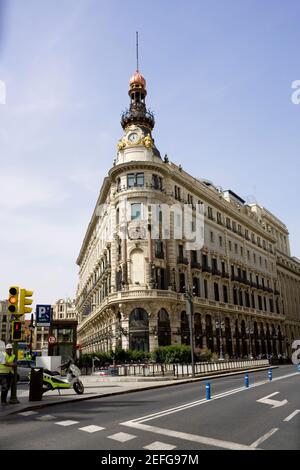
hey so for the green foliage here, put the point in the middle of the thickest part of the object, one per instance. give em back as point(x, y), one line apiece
point(170, 354)
point(205, 355)
point(214, 357)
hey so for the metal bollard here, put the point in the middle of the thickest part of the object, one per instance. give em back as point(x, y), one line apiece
point(246, 380)
point(208, 393)
point(270, 374)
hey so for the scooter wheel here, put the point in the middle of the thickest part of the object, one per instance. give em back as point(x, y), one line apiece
point(78, 387)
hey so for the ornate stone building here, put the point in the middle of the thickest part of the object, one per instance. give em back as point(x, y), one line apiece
point(131, 290)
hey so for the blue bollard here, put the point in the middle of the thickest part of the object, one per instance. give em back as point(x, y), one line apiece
point(298, 367)
point(207, 388)
point(246, 380)
point(270, 374)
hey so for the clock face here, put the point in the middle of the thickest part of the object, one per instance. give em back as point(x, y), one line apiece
point(133, 137)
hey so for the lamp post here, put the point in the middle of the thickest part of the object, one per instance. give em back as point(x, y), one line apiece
point(221, 339)
point(190, 312)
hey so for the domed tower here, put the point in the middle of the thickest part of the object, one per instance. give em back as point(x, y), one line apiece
point(137, 122)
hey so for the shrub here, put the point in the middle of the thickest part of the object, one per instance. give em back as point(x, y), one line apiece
point(205, 355)
point(170, 354)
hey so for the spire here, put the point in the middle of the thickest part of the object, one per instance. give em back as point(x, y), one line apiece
point(137, 113)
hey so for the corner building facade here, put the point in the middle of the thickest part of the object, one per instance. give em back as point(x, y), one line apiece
point(131, 290)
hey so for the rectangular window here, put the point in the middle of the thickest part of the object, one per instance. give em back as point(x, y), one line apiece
point(205, 289)
point(219, 218)
point(248, 255)
point(235, 248)
point(136, 211)
point(242, 251)
point(140, 179)
point(234, 226)
point(216, 289)
point(230, 245)
point(228, 222)
point(220, 241)
point(239, 229)
point(130, 180)
point(210, 212)
point(225, 294)
point(247, 234)
point(212, 237)
point(252, 301)
point(254, 258)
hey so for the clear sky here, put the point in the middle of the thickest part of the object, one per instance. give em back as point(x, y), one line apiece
point(219, 75)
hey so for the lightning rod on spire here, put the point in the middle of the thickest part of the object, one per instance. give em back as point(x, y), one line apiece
point(137, 51)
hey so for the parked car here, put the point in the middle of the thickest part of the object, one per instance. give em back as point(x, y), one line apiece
point(107, 371)
point(23, 370)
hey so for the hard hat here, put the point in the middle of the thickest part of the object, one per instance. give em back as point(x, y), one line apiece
point(9, 346)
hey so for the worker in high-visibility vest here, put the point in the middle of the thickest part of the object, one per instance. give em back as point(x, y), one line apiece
point(7, 369)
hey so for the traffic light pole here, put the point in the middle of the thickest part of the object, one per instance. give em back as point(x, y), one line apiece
point(13, 387)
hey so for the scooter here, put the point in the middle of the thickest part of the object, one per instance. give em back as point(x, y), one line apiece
point(56, 381)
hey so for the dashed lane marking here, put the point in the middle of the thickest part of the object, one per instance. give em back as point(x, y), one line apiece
point(291, 416)
point(159, 446)
point(28, 413)
point(45, 417)
point(68, 422)
point(92, 428)
point(122, 437)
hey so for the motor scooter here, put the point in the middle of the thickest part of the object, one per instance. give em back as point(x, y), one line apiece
point(57, 381)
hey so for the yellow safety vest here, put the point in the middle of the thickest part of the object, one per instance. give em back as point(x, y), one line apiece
point(4, 369)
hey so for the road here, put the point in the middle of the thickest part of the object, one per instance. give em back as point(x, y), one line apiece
point(264, 416)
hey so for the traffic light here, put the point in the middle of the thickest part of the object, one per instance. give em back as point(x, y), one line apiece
point(16, 333)
point(13, 300)
point(24, 301)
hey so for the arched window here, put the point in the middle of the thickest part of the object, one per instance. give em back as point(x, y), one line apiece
point(164, 328)
point(185, 329)
point(139, 330)
point(198, 331)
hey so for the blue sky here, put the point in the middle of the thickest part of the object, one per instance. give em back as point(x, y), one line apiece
point(219, 75)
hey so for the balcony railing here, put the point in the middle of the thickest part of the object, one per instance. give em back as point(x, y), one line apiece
point(182, 260)
point(216, 272)
point(206, 269)
point(159, 254)
point(195, 265)
point(225, 275)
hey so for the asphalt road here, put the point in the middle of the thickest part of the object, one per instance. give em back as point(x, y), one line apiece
point(176, 417)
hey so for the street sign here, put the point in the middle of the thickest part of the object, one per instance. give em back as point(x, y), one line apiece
point(51, 340)
point(43, 315)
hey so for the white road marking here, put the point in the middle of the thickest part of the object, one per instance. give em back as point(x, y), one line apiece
point(137, 423)
point(288, 418)
point(264, 438)
point(122, 437)
point(189, 437)
point(159, 446)
point(68, 422)
point(45, 417)
point(274, 403)
point(28, 413)
point(91, 428)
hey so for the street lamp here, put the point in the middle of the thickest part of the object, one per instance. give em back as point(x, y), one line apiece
point(221, 339)
point(189, 309)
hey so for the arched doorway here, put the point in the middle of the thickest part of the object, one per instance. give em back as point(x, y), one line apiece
point(164, 328)
point(185, 329)
point(228, 339)
point(237, 340)
point(198, 331)
point(209, 333)
point(244, 339)
point(256, 342)
point(139, 330)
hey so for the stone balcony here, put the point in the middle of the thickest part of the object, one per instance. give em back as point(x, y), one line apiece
point(156, 294)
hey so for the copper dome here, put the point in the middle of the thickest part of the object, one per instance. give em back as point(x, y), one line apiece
point(137, 79)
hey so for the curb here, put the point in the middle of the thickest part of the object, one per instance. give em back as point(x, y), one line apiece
point(142, 389)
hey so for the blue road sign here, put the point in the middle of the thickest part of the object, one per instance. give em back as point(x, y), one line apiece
point(43, 315)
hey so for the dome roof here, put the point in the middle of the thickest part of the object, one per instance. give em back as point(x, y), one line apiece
point(137, 79)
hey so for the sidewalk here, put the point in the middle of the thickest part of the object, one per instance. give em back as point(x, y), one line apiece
point(107, 386)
